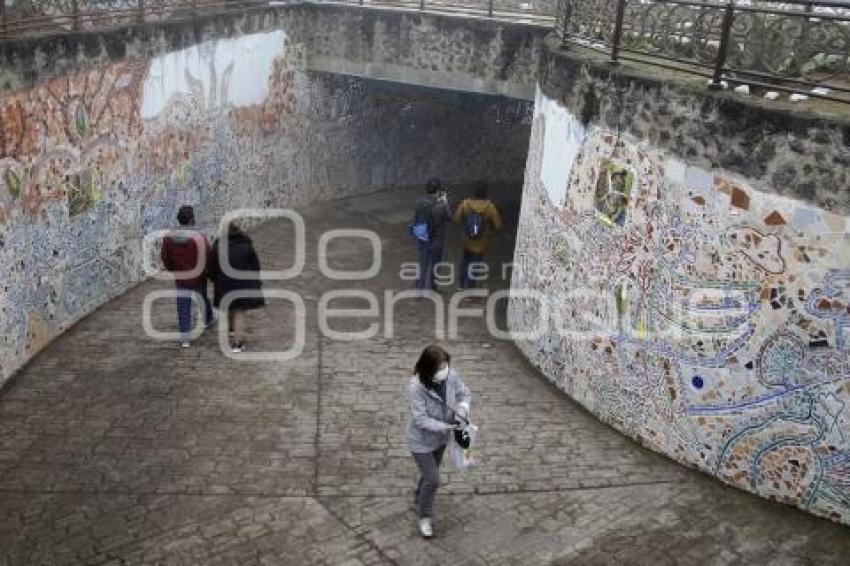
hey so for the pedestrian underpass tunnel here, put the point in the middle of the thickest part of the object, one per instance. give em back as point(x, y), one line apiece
point(677, 260)
point(97, 158)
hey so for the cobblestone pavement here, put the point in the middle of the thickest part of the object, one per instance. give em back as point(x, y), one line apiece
point(119, 449)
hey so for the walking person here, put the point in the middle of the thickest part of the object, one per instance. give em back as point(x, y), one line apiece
point(479, 218)
point(438, 398)
point(185, 252)
point(429, 218)
point(239, 251)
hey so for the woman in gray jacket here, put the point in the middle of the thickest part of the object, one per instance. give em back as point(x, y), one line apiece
point(438, 396)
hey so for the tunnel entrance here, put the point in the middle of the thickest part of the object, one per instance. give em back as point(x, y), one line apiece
point(412, 133)
point(407, 134)
point(392, 138)
point(197, 127)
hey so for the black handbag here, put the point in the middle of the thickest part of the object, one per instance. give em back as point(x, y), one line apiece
point(462, 437)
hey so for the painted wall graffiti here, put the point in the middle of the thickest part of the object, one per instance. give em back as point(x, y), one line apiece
point(213, 74)
point(694, 312)
point(63, 140)
point(563, 150)
point(63, 153)
point(92, 161)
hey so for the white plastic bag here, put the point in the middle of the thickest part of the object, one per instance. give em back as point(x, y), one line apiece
point(463, 458)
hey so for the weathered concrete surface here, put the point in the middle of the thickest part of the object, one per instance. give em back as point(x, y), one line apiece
point(93, 162)
point(104, 134)
point(460, 52)
point(91, 9)
point(119, 449)
point(800, 150)
point(427, 49)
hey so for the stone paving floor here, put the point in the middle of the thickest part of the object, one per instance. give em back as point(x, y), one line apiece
point(119, 449)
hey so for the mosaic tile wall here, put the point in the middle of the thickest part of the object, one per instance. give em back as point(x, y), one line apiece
point(92, 161)
point(705, 318)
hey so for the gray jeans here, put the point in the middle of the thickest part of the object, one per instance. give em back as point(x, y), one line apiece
point(429, 479)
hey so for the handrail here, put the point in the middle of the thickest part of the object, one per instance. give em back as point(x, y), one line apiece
point(790, 46)
point(506, 10)
point(22, 19)
point(26, 18)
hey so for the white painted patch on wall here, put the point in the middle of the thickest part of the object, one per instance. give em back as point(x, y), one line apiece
point(539, 100)
point(564, 136)
point(220, 73)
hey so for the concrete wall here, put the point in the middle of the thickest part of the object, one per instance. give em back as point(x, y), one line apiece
point(455, 52)
point(697, 291)
point(61, 7)
point(461, 53)
point(94, 159)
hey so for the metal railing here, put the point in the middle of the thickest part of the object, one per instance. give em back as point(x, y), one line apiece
point(21, 18)
point(792, 46)
point(532, 11)
point(45, 17)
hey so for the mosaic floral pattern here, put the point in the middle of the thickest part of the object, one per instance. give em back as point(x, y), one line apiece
point(694, 312)
point(93, 161)
point(84, 174)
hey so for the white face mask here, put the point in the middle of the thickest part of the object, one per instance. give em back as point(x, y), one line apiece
point(441, 375)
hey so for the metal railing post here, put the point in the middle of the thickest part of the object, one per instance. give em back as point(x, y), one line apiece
point(140, 14)
point(568, 16)
point(490, 8)
point(75, 14)
point(4, 24)
point(728, 18)
point(618, 32)
point(804, 35)
point(421, 4)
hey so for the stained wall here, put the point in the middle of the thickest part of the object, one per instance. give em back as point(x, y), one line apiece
point(93, 160)
point(461, 53)
point(694, 307)
point(426, 49)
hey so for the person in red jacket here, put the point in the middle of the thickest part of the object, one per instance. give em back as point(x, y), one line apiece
point(186, 253)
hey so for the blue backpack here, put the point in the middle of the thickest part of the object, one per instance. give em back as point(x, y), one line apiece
point(474, 224)
point(420, 231)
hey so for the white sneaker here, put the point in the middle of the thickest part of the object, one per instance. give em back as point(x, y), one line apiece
point(185, 344)
point(426, 528)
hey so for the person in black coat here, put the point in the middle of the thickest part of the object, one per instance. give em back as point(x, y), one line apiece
point(241, 257)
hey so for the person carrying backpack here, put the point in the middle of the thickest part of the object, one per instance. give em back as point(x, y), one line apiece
point(479, 218)
point(428, 229)
point(185, 252)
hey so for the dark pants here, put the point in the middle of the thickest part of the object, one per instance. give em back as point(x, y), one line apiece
point(184, 307)
point(469, 259)
point(429, 479)
point(430, 254)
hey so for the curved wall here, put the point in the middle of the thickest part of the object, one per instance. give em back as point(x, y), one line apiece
point(693, 303)
point(95, 158)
